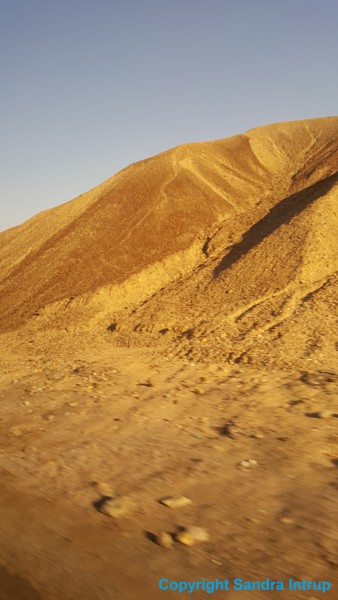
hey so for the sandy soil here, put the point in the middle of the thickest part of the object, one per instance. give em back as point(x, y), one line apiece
point(127, 422)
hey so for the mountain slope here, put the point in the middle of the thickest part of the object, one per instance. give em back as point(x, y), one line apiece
point(269, 298)
point(257, 213)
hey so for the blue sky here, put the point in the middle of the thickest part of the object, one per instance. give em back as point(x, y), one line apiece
point(89, 86)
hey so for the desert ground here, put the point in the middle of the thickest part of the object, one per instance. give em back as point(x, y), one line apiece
point(172, 333)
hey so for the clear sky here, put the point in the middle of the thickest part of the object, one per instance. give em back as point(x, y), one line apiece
point(89, 86)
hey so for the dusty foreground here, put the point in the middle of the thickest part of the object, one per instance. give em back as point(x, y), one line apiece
point(127, 422)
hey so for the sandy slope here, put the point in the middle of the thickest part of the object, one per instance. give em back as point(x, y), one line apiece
point(175, 202)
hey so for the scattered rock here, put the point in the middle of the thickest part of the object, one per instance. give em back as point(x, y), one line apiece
point(254, 520)
point(324, 414)
point(286, 520)
point(147, 382)
point(309, 379)
point(228, 429)
point(199, 391)
point(15, 431)
point(318, 379)
point(116, 507)
point(192, 535)
point(165, 540)
point(101, 487)
point(248, 463)
point(184, 538)
point(48, 416)
point(31, 448)
point(175, 501)
point(198, 533)
point(216, 562)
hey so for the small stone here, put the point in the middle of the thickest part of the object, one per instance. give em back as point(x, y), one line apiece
point(286, 520)
point(254, 520)
point(199, 391)
point(175, 501)
point(147, 382)
point(165, 540)
point(48, 416)
point(198, 533)
point(102, 487)
point(31, 448)
point(324, 414)
point(250, 462)
point(184, 538)
point(116, 507)
point(192, 535)
point(15, 431)
point(216, 562)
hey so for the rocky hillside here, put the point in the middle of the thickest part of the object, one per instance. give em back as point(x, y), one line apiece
point(223, 249)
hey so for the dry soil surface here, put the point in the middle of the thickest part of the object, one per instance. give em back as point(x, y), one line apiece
point(124, 422)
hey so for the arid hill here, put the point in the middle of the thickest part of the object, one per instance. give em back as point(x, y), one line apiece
point(225, 249)
point(173, 333)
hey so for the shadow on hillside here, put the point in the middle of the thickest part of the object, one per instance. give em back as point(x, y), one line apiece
point(279, 215)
